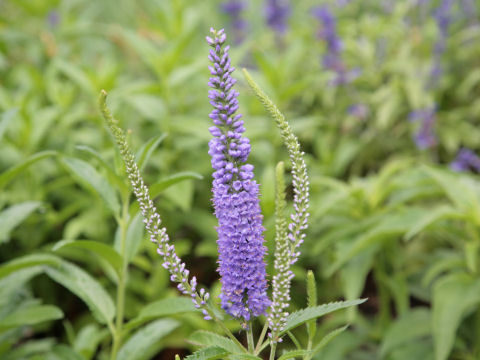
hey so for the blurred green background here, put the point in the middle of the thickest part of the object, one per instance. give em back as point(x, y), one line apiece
point(390, 131)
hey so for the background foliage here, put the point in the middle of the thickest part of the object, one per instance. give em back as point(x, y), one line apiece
point(390, 221)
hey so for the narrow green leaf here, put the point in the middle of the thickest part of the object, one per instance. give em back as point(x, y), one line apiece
point(141, 344)
point(207, 338)
point(102, 250)
point(163, 307)
point(11, 173)
point(414, 324)
point(208, 353)
point(311, 302)
point(454, 297)
point(88, 176)
point(13, 216)
point(27, 261)
point(294, 354)
point(299, 317)
point(145, 152)
point(30, 316)
point(112, 175)
point(327, 338)
point(85, 287)
point(165, 183)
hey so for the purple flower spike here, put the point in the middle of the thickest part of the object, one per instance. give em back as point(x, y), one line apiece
point(332, 60)
point(235, 195)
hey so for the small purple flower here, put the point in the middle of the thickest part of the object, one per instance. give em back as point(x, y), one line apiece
point(465, 160)
point(359, 111)
point(234, 9)
point(425, 137)
point(235, 195)
point(277, 13)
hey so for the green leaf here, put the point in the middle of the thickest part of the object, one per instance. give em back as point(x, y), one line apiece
point(88, 176)
point(299, 317)
point(165, 183)
point(5, 120)
point(141, 344)
point(327, 338)
point(134, 237)
point(207, 338)
point(163, 307)
point(454, 297)
point(294, 354)
point(27, 261)
point(63, 352)
point(414, 324)
point(13, 216)
point(9, 174)
point(143, 155)
point(209, 353)
point(86, 288)
point(102, 250)
point(30, 316)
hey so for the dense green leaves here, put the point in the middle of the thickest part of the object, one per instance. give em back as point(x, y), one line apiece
point(145, 341)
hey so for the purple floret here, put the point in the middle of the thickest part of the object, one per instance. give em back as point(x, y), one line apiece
point(235, 195)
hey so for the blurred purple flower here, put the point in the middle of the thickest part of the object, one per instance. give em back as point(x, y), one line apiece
point(342, 3)
point(465, 160)
point(359, 111)
point(277, 13)
point(425, 137)
point(53, 18)
point(234, 9)
point(332, 60)
point(443, 17)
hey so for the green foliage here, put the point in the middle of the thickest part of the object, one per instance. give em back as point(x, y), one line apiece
point(389, 222)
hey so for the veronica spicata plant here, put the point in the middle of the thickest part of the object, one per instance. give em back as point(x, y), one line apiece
point(240, 241)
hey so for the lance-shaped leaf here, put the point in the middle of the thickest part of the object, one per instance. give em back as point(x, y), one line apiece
point(299, 317)
point(13, 216)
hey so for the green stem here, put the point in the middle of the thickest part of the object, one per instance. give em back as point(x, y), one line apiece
point(273, 348)
point(260, 339)
point(117, 336)
point(251, 344)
